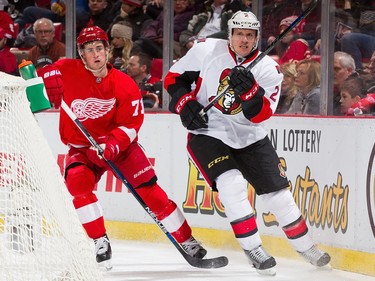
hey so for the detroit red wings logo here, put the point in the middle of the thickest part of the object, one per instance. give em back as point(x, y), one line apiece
point(91, 108)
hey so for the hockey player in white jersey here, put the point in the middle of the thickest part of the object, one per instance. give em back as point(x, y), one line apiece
point(229, 144)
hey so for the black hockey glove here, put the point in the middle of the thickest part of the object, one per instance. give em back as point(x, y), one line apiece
point(190, 117)
point(243, 83)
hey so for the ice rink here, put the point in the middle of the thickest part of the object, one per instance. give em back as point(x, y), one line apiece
point(134, 260)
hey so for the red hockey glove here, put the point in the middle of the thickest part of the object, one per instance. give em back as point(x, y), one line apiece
point(111, 149)
point(243, 83)
point(53, 83)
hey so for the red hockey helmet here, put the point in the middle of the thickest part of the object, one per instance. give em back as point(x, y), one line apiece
point(90, 34)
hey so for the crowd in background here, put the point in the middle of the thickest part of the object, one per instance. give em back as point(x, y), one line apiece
point(34, 30)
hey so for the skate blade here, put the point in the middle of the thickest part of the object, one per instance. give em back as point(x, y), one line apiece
point(106, 265)
point(268, 272)
point(327, 267)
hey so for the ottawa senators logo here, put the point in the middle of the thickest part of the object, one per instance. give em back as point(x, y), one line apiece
point(227, 104)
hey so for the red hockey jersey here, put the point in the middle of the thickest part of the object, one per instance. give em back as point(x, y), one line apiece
point(103, 106)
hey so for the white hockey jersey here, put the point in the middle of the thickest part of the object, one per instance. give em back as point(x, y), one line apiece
point(211, 62)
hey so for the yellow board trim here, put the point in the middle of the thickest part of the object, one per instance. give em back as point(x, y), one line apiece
point(343, 259)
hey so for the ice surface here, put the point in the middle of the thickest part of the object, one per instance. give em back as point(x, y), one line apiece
point(134, 260)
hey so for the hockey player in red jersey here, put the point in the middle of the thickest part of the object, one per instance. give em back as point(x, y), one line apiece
point(109, 104)
point(229, 144)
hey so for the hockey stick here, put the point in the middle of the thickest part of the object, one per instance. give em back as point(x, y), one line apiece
point(196, 262)
point(263, 54)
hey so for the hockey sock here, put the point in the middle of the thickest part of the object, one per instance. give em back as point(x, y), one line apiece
point(80, 181)
point(233, 194)
point(166, 211)
point(283, 206)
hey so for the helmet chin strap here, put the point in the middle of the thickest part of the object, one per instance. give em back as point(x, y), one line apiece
point(95, 71)
point(239, 58)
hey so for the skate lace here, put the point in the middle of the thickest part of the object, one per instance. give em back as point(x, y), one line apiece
point(101, 245)
point(312, 254)
point(316, 256)
point(191, 246)
point(258, 255)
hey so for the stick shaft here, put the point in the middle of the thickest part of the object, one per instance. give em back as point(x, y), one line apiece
point(193, 261)
point(117, 173)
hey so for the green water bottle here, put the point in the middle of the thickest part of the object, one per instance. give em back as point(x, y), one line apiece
point(35, 90)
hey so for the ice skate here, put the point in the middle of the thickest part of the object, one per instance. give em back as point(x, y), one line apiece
point(261, 260)
point(103, 251)
point(193, 248)
point(316, 257)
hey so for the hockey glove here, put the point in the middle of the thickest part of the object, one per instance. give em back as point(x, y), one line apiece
point(243, 83)
point(111, 149)
point(190, 116)
point(53, 82)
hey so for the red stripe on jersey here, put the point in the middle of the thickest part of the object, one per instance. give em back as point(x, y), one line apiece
point(244, 227)
point(170, 79)
point(265, 112)
point(296, 229)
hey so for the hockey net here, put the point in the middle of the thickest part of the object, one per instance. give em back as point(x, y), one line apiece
point(41, 237)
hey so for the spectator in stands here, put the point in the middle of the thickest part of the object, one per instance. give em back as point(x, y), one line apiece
point(183, 12)
point(131, 11)
point(247, 5)
point(307, 80)
point(55, 13)
point(292, 47)
point(343, 67)
point(139, 68)
point(43, 61)
point(15, 8)
point(46, 44)
point(360, 42)
point(100, 14)
point(369, 75)
point(153, 8)
point(121, 45)
point(210, 21)
point(272, 15)
point(25, 38)
point(352, 91)
point(344, 24)
point(8, 61)
point(312, 22)
point(288, 87)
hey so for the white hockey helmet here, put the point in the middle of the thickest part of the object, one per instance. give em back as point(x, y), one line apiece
point(245, 20)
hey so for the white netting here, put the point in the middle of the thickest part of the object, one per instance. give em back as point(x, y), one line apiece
point(41, 237)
